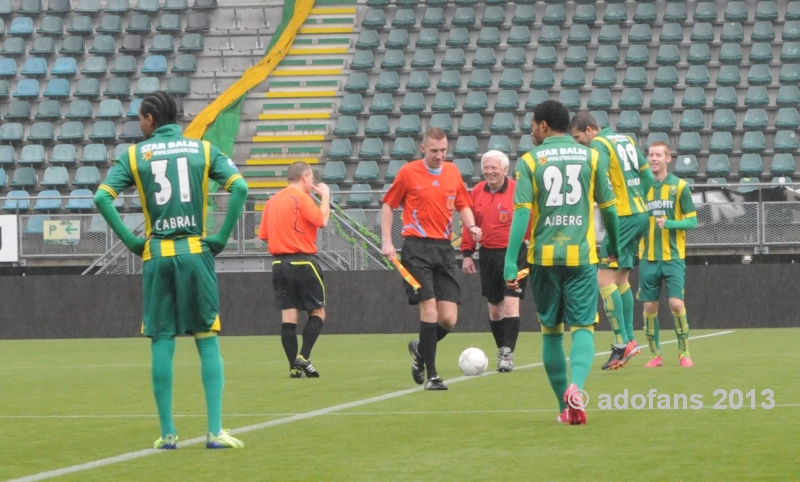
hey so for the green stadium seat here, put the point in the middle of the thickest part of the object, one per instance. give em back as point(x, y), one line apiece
point(718, 165)
point(79, 109)
point(382, 103)
point(139, 24)
point(413, 102)
point(525, 145)
point(18, 110)
point(358, 197)
point(34, 67)
point(751, 165)
point(788, 95)
point(351, 104)
point(362, 60)
point(480, 79)
point(702, 33)
point(631, 98)
point(785, 141)
point(637, 55)
point(527, 126)
point(397, 39)
point(783, 164)
point(634, 77)
point(49, 200)
point(694, 97)
point(95, 154)
point(449, 80)
point(736, 11)
point(692, 120)
point(756, 96)
point(93, 66)
point(601, 117)
point(617, 13)
point(543, 78)
point(666, 76)
point(161, 44)
point(761, 53)
point(767, 10)
point(184, 64)
point(3, 178)
point(471, 123)
point(418, 80)
point(671, 33)
point(404, 148)
point(629, 121)
point(571, 98)
point(755, 119)
point(753, 141)
point(685, 166)
point(511, 79)
point(366, 171)
point(392, 169)
point(190, 42)
point(729, 75)
point(393, 59)
point(763, 32)
point(463, 17)
point(790, 74)
point(102, 131)
point(724, 119)
point(731, 53)
point(11, 132)
point(24, 177)
point(13, 47)
point(63, 154)
point(545, 56)
point(732, 32)
point(340, 149)
point(346, 126)
point(550, 35)
point(57, 88)
point(168, 23)
point(524, 15)
point(49, 109)
point(662, 98)
point(42, 131)
point(465, 168)
point(476, 101)
point(147, 6)
point(668, 54)
point(357, 82)
point(535, 97)
point(554, 15)
point(30, 7)
point(721, 143)
point(499, 143)
point(377, 125)
point(578, 35)
point(102, 45)
point(374, 18)
point(573, 77)
point(428, 38)
point(133, 108)
point(490, 37)
point(675, 12)
point(444, 102)
point(640, 34)
point(73, 45)
point(787, 118)
point(119, 150)
point(22, 26)
point(484, 57)
point(55, 176)
point(660, 121)
point(8, 68)
point(8, 155)
point(54, 26)
point(4, 90)
point(80, 200)
point(792, 11)
point(645, 13)
point(110, 25)
point(518, 35)
point(408, 125)
point(689, 143)
point(442, 121)
point(759, 75)
point(334, 171)
point(514, 57)
point(466, 146)
point(609, 34)
point(146, 86)
point(109, 109)
point(458, 37)
point(454, 58)
point(404, 18)
point(71, 131)
point(600, 99)
point(790, 52)
point(502, 123)
point(17, 200)
point(576, 56)
point(88, 7)
point(607, 55)
point(724, 96)
point(585, 14)
point(155, 65)
point(368, 40)
point(32, 155)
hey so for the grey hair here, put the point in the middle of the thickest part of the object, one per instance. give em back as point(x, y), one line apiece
point(499, 155)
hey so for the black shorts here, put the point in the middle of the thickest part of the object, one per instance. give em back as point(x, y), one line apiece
point(297, 280)
point(433, 264)
point(491, 263)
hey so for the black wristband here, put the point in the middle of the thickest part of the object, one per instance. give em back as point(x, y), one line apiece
point(467, 253)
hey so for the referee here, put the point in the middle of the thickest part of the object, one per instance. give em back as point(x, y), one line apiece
point(428, 191)
point(493, 204)
point(289, 227)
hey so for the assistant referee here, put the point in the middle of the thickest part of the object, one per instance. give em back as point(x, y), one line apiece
point(429, 190)
point(289, 227)
point(493, 205)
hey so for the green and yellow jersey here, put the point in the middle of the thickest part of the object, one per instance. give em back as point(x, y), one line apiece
point(626, 162)
point(670, 198)
point(171, 173)
point(559, 181)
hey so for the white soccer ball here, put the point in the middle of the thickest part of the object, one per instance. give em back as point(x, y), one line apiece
point(473, 361)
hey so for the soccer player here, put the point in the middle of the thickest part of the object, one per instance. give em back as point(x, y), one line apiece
point(630, 178)
point(662, 252)
point(289, 227)
point(558, 183)
point(180, 290)
point(429, 190)
point(493, 206)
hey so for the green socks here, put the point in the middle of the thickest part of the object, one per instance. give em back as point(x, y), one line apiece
point(651, 332)
point(581, 355)
point(681, 330)
point(213, 379)
point(162, 351)
point(612, 302)
point(626, 295)
point(555, 365)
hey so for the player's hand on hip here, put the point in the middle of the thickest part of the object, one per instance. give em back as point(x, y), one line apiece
point(387, 248)
point(215, 244)
point(469, 265)
point(138, 245)
point(476, 233)
point(661, 221)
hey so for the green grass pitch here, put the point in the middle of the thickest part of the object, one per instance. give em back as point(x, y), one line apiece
point(69, 402)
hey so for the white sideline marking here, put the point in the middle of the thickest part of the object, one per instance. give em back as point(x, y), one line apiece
point(281, 421)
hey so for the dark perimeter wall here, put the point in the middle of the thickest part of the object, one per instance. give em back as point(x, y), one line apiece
point(717, 296)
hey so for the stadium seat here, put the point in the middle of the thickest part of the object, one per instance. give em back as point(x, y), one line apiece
point(724, 119)
point(418, 80)
point(171, 23)
point(161, 44)
point(366, 171)
point(785, 141)
point(93, 66)
point(351, 104)
point(790, 74)
point(34, 67)
point(685, 166)
point(736, 11)
point(466, 146)
point(791, 30)
point(542, 78)
point(756, 96)
point(767, 10)
point(751, 165)
point(502, 123)
point(374, 18)
point(32, 154)
point(57, 89)
point(27, 89)
point(346, 126)
point(634, 77)
point(578, 35)
point(585, 14)
point(18, 110)
point(573, 77)
point(55, 176)
point(458, 37)
point(476, 101)
point(637, 55)
point(490, 37)
point(616, 13)
point(499, 143)
point(463, 17)
point(17, 200)
point(524, 15)
point(732, 32)
point(724, 96)
point(731, 53)
point(444, 102)
point(382, 103)
point(392, 169)
point(788, 95)
point(428, 38)
point(139, 24)
point(404, 148)
point(511, 79)
point(131, 132)
point(413, 102)
point(357, 82)
point(195, 23)
point(609, 34)
point(48, 110)
point(155, 65)
point(340, 149)
point(80, 200)
point(184, 64)
point(671, 33)
point(73, 45)
point(660, 121)
point(103, 131)
point(668, 54)
point(518, 35)
point(362, 60)
point(759, 75)
point(449, 80)
point(761, 53)
point(629, 121)
point(408, 125)
point(441, 121)
point(699, 54)
point(78, 109)
point(576, 56)
point(666, 76)
point(8, 155)
point(718, 165)
point(631, 98)
point(4, 90)
point(689, 143)
point(147, 85)
point(24, 177)
point(471, 123)
point(368, 40)
point(453, 58)
point(514, 57)
point(545, 56)
point(662, 98)
point(147, 6)
point(359, 198)
point(21, 26)
point(790, 52)
point(550, 35)
point(526, 126)
point(94, 153)
point(387, 81)
point(696, 97)
point(8, 68)
point(554, 15)
point(535, 97)
point(763, 32)
point(88, 7)
point(404, 18)
point(783, 164)
point(755, 119)
point(645, 13)
point(753, 141)
point(571, 98)
point(787, 118)
point(525, 145)
point(103, 45)
point(640, 34)
point(729, 75)
point(90, 87)
point(11, 132)
point(109, 109)
point(377, 125)
point(54, 26)
point(484, 57)
point(71, 131)
point(721, 143)
point(397, 39)
point(13, 47)
point(63, 154)
point(465, 168)
point(371, 148)
point(119, 150)
point(607, 55)
point(110, 24)
point(600, 99)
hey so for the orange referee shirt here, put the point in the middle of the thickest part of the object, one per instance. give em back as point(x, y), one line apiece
point(428, 199)
point(290, 222)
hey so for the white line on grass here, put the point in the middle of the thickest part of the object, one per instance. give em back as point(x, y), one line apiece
point(281, 421)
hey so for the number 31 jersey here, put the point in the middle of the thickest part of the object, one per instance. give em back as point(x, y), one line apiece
point(626, 161)
point(171, 173)
point(559, 181)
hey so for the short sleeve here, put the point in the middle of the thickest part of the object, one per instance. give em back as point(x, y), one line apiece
point(119, 176)
point(310, 211)
point(603, 193)
point(687, 205)
point(222, 169)
point(263, 230)
point(523, 191)
point(394, 196)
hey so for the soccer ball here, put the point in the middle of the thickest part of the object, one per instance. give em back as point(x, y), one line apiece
point(473, 361)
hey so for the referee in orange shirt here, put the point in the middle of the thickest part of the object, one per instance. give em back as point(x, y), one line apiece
point(429, 190)
point(289, 227)
point(493, 204)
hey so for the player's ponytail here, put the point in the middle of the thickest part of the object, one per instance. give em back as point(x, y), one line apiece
point(162, 107)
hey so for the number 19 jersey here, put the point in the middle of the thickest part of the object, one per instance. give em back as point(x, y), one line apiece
point(626, 161)
point(559, 181)
point(171, 173)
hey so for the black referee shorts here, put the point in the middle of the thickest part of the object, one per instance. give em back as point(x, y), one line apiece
point(491, 264)
point(297, 281)
point(433, 264)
